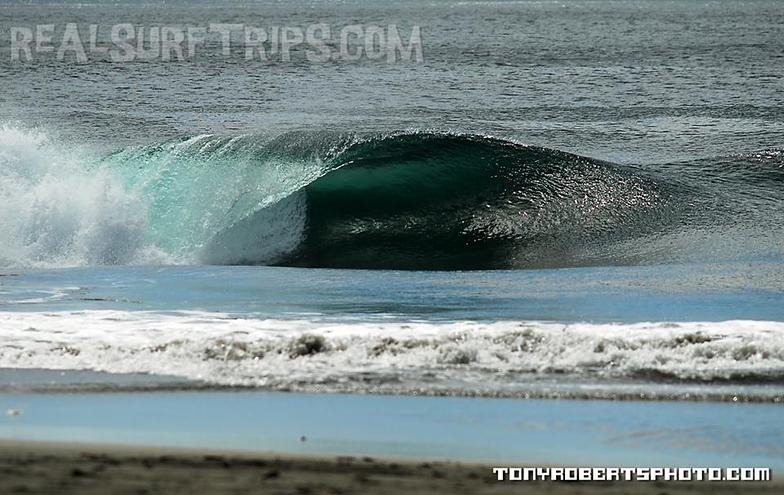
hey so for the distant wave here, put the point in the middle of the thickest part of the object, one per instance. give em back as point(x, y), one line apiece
point(413, 200)
point(507, 358)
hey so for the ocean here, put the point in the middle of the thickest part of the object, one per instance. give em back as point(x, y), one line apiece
point(560, 200)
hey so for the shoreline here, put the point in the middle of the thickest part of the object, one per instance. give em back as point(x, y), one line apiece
point(73, 381)
point(41, 467)
point(549, 432)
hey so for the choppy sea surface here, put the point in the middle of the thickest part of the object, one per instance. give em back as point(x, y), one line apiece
point(562, 199)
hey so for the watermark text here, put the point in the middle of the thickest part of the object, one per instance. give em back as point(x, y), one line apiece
point(126, 42)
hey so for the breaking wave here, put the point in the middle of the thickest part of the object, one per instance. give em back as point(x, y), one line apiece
point(399, 201)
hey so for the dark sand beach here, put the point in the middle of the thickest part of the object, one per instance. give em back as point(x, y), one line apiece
point(33, 467)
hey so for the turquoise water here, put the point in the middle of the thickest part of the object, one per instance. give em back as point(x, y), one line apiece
point(696, 292)
point(531, 432)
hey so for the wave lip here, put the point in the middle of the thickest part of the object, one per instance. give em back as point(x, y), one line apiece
point(734, 358)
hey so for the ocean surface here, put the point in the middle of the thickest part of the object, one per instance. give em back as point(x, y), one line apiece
point(562, 199)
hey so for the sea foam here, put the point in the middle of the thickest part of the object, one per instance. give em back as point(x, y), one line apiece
point(55, 210)
point(371, 356)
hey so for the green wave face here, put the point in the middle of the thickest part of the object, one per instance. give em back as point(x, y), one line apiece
point(427, 201)
point(198, 188)
point(400, 201)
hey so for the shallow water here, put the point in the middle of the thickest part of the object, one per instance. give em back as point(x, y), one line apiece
point(687, 332)
point(533, 432)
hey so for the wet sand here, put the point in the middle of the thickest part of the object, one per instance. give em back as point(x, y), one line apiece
point(40, 467)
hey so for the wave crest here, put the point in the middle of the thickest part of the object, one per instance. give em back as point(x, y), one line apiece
point(411, 200)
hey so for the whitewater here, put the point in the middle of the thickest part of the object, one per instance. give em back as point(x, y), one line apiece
point(463, 358)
